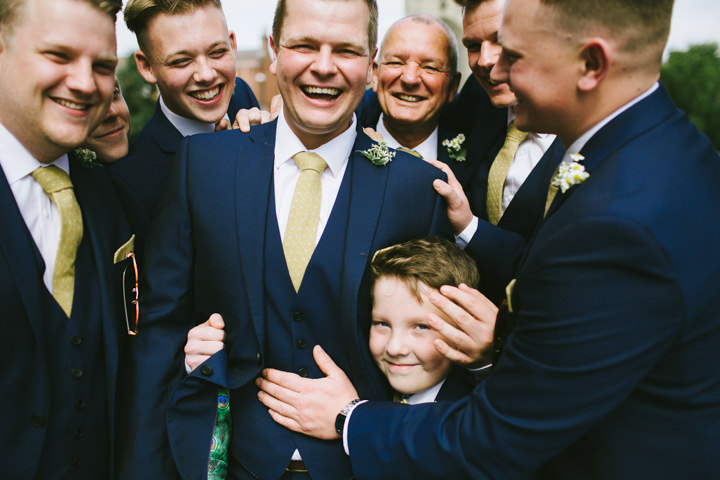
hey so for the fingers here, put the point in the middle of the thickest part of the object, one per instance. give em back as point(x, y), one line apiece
point(477, 304)
point(216, 321)
point(326, 363)
point(223, 124)
point(275, 106)
point(373, 134)
point(452, 354)
point(247, 118)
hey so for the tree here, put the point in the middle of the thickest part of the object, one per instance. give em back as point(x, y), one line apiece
point(692, 78)
point(139, 95)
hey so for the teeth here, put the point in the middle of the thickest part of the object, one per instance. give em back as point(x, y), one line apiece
point(207, 95)
point(409, 98)
point(73, 105)
point(322, 91)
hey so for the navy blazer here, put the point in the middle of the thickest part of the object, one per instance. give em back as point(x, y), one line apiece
point(205, 255)
point(24, 381)
point(612, 370)
point(140, 177)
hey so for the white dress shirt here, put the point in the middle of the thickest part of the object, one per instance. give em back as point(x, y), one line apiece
point(37, 209)
point(528, 154)
point(186, 126)
point(336, 154)
point(427, 149)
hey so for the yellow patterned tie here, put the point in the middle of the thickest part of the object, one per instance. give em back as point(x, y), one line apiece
point(499, 170)
point(410, 151)
point(302, 225)
point(59, 188)
point(552, 191)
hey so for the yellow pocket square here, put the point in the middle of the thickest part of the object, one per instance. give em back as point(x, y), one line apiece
point(122, 252)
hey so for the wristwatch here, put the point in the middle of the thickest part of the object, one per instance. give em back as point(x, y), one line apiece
point(342, 416)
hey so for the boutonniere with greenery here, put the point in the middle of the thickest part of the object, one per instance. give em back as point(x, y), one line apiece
point(570, 173)
point(86, 157)
point(379, 154)
point(455, 149)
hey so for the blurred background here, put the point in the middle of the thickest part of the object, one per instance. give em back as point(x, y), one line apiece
point(691, 72)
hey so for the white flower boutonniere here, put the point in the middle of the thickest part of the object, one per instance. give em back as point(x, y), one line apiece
point(455, 149)
point(86, 157)
point(570, 173)
point(379, 154)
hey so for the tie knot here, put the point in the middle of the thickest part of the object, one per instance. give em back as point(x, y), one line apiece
point(515, 134)
point(310, 161)
point(52, 179)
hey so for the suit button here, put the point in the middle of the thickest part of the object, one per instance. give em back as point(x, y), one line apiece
point(78, 434)
point(37, 421)
point(76, 340)
point(298, 316)
point(258, 357)
point(301, 343)
point(76, 462)
point(303, 372)
point(206, 370)
point(77, 372)
point(79, 404)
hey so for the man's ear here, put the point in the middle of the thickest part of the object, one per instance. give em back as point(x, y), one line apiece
point(595, 56)
point(143, 66)
point(233, 41)
point(369, 79)
point(454, 84)
point(375, 76)
point(273, 66)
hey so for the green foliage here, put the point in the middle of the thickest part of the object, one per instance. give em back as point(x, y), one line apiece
point(692, 79)
point(139, 95)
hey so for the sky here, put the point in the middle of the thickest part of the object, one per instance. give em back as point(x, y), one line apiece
point(694, 21)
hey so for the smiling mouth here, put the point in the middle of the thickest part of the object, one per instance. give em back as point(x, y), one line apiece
point(114, 130)
point(71, 105)
point(321, 93)
point(207, 95)
point(408, 98)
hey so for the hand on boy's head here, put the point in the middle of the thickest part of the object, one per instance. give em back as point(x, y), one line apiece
point(468, 336)
point(205, 340)
point(307, 405)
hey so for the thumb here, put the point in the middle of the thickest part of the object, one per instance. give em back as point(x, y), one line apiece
point(443, 189)
point(325, 363)
point(216, 321)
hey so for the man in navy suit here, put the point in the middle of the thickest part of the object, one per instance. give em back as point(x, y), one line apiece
point(62, 328)
point(414, 77)
point(220, 242)
point(612, 370)
point(195, 74)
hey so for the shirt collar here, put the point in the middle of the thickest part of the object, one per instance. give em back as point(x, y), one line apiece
point(426, 396)
point(17, 162)
point(428, 148)
point(186, 126)
point(336, 152)
point(578, 144)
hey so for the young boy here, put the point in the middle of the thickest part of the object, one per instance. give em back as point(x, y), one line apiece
point(401, 341)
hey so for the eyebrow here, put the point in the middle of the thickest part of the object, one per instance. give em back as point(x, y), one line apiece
point(188, 52)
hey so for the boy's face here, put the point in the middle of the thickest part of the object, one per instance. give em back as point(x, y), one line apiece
point(322, 65)
point(110, 139)
point(57, 70)
point(191, 58)
point(401, 341)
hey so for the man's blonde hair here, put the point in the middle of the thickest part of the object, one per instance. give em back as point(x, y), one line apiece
point(138, 14)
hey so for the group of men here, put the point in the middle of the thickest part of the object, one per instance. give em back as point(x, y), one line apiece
point(564, 171)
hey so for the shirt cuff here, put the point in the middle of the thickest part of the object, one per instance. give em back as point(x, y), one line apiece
point(480, 369)
point(466, 235)
point(345, 427)
point(188, 370)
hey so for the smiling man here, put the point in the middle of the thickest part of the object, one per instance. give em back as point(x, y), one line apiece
point(188, 52)
point(237, 234)
point(63, 335)
point(413, 78)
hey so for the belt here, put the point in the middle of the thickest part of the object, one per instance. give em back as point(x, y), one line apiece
point(297, 466)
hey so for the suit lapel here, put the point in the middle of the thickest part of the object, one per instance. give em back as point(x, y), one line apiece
point(17, 245)
point(253, 177)
point(165, 134)
point(95, 229)
point(367, 193)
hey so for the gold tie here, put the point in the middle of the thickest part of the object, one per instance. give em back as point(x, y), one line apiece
point(401, 398)
point(56, 183)
point(499, 170)
point(552, 191)
point(299, 241)
point(410, 151)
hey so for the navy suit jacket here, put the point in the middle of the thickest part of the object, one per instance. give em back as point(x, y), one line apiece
point(140, 177)
point(205, 255)
point(612, 370)
point(24, 381)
